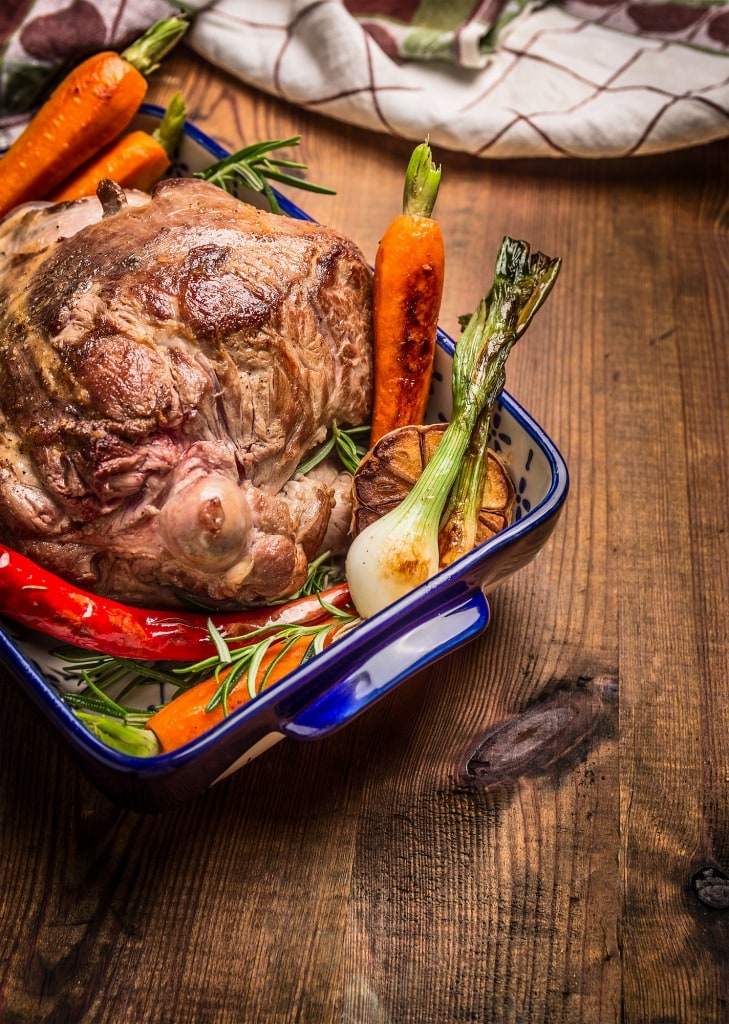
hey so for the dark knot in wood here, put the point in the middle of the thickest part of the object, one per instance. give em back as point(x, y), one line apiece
point(712, 888)
point(546, 732)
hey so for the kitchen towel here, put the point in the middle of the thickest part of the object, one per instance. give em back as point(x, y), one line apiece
point(40, 40)
point(496, 78)
point(501, 78)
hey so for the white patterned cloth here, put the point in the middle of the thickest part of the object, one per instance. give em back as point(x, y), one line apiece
point(495, 78)
point(559, 82)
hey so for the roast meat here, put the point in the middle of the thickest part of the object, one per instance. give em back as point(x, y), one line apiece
point(165, 363)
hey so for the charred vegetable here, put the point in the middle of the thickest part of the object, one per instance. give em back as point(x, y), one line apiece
point(407, 292)
point(396, 553)
point(388, 473)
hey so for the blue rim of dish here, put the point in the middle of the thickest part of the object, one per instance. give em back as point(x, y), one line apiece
point(453, 585)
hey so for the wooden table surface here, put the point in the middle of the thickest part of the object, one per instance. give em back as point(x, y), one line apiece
point(363, 879)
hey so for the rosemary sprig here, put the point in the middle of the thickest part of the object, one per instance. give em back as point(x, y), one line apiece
point(323, 572)
point(251, 166)
point(106, 683)
point(239, 662)
point(343, 443)
point(96, 675)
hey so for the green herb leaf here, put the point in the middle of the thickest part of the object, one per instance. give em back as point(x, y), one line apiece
point(350, 453)
point(323, 572)
point(220, 645)
point(251, 166)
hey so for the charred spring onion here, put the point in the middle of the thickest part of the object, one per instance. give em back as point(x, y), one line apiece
point(400, 551)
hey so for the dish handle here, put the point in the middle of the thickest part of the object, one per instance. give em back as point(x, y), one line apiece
point(375, 674)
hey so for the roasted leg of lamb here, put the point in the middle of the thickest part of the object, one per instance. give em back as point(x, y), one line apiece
point(165, 363)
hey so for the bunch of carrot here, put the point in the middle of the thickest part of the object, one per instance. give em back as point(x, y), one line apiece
point(80, 126)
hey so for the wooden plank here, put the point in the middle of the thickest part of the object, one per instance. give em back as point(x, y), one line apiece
point(371, 878)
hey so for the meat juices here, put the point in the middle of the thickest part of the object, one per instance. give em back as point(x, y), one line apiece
point(165, 363)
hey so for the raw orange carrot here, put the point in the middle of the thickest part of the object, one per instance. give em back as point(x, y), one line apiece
point(91, 106)
point(136, 160)
point(189, 714)
point(407, 292)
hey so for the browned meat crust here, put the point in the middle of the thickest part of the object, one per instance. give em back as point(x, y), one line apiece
point(162, 370)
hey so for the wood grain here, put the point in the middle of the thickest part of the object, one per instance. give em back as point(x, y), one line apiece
point(375, 877)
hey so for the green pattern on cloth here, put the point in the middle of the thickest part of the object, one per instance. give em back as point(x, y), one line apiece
point(461, 32)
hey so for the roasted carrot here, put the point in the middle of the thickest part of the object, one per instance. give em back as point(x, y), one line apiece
point(407, 291)
point(136, 160)
point(92, 105)
point(192, 712)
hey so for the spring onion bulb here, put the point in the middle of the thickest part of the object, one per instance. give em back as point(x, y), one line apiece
point(399, 551)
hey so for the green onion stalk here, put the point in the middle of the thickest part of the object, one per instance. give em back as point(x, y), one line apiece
point(459, 523)
point(460, 519)
point(169, 131)
point(147, 53)
point(400, 551)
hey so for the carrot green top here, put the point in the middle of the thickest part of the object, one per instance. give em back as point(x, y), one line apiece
point(422, 181)
point(146, 53)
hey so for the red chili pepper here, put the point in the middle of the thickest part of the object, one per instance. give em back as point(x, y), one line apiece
point(40, 600)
